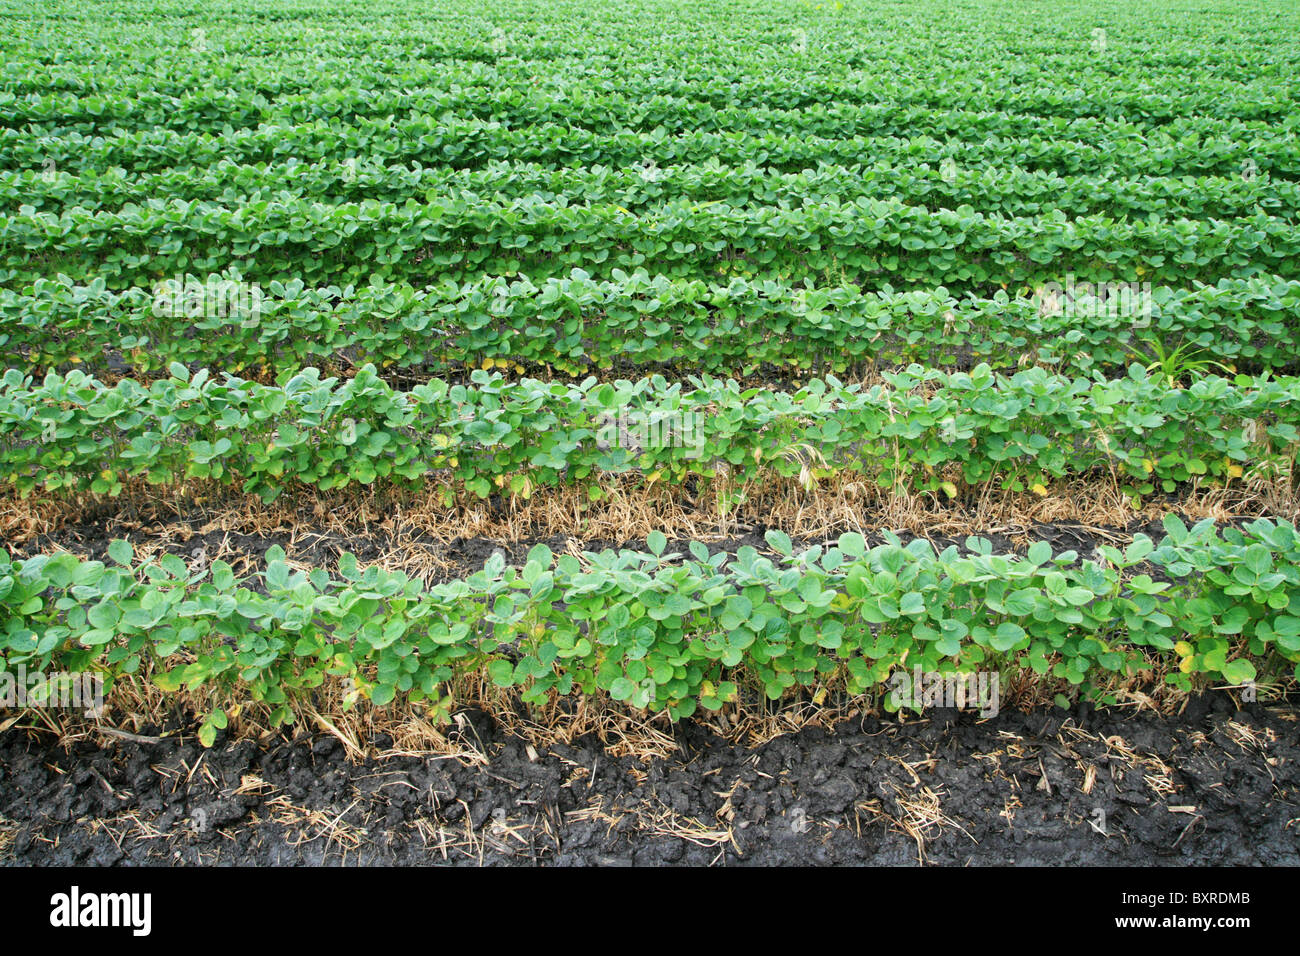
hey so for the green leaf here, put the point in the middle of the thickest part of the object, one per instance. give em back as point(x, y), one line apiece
point(1240, 671)
point(1007, 636)
point(501, 672)
point(852, 544)
point(121, 552)
point(779, 542)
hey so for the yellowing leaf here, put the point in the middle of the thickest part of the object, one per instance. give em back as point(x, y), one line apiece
point(949, 489)
point(1040, 490)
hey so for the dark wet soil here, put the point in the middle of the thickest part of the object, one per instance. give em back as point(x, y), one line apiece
point(1211, 786)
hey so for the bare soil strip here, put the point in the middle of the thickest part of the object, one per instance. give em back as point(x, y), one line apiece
point(1212, 785)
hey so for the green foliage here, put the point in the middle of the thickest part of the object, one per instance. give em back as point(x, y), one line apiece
point(1179, 364)
point(668, 633)
point(582, 188)
point(866, 239)
point(577, 322)
point(924, 430)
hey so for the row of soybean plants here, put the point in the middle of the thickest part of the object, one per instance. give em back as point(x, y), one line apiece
point(921, 430)
point(664, 631)
point(578, 323)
